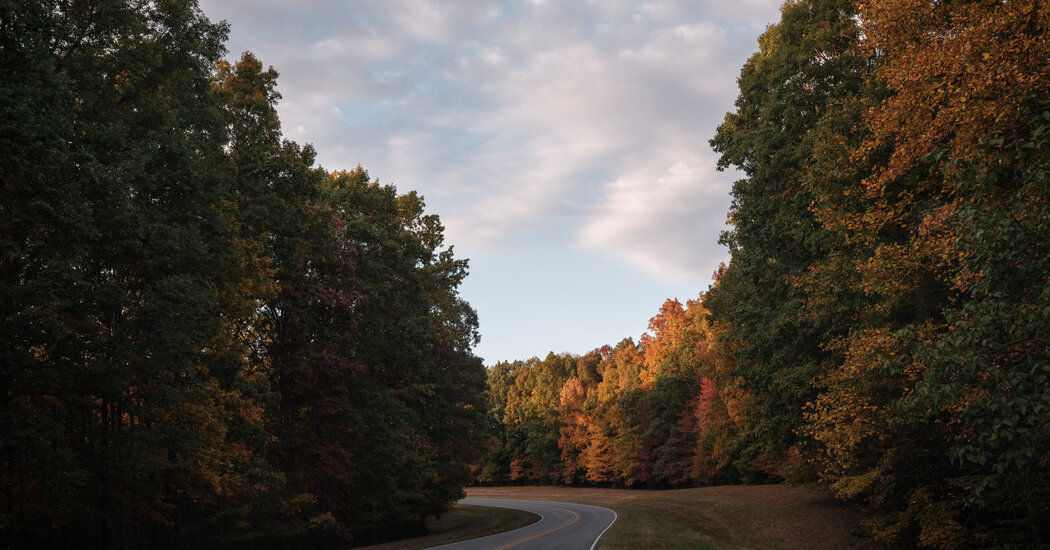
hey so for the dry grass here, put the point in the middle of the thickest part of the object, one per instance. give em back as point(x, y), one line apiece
point(464, 522)
point(738, 517)
point(712, 518)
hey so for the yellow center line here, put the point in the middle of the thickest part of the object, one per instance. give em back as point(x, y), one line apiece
point(545, 533)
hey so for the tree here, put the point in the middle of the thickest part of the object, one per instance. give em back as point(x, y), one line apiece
point(495, 468)
point(613, 455)
point(415, 336)
point(576, 415)
point(678, 347)
point(208, 340)
point(532, 417)
point(124, 404)
point(937, 376)
point(806, 62)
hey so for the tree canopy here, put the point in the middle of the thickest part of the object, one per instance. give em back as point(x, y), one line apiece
point(881, 326)
point(207, 339)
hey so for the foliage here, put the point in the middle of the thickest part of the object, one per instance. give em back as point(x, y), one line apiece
point(946, 345)
point(927, 180)
point(883, 320)
point(806, 64)
point(207, 340)
point(635, 415)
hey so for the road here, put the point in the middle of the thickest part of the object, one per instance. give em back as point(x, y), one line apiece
point(564, 526)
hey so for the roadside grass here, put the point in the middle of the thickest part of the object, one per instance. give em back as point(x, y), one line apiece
point(714, 518)
point(766, 517)
point(462, 523)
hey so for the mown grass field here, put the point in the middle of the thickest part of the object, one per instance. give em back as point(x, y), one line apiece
point(718, 518)
point(465, 522)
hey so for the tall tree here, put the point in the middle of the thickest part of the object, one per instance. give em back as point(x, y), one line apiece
point(208, 340)
point(414, 336)
point(927, 415)
point(805, 63)
point(576, 415)
point(532, 418)
point(616, 443)
point(677, 348)
point(121, 377)
point(495, 468)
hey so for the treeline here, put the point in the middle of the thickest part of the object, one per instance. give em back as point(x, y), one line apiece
point(207, 340)
point(637, 415)
point(884, 322)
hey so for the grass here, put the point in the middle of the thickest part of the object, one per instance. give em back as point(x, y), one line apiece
point(710, 518)
point(462, 523)
point(720, 518)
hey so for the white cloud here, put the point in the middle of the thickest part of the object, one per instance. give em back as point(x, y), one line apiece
point(574, 122)
point(664, 217)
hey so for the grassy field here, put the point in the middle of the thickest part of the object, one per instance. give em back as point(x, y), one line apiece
point(720, 518)
point(465, 522)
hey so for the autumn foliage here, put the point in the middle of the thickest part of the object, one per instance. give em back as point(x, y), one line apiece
point(205, 339)
point(651, 414)
point(208, 341)
point(883, 326)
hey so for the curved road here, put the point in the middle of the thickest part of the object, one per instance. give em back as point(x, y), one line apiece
point(563, 525)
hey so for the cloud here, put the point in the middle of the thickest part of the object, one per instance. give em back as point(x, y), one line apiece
point(581, 123)
point(664, 217)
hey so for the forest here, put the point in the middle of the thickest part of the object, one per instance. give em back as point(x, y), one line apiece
point(208, 340)
point(883, 324)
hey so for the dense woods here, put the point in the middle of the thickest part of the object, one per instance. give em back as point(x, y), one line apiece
point(882, 326)
point(207, 340)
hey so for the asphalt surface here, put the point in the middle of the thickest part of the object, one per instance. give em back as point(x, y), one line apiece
point(564, 526)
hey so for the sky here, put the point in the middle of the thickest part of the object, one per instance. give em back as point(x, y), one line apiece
point(564, 144)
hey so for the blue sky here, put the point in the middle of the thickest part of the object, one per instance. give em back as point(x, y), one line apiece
point(563, 144)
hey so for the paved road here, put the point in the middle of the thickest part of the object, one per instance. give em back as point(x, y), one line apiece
point(563, 526)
